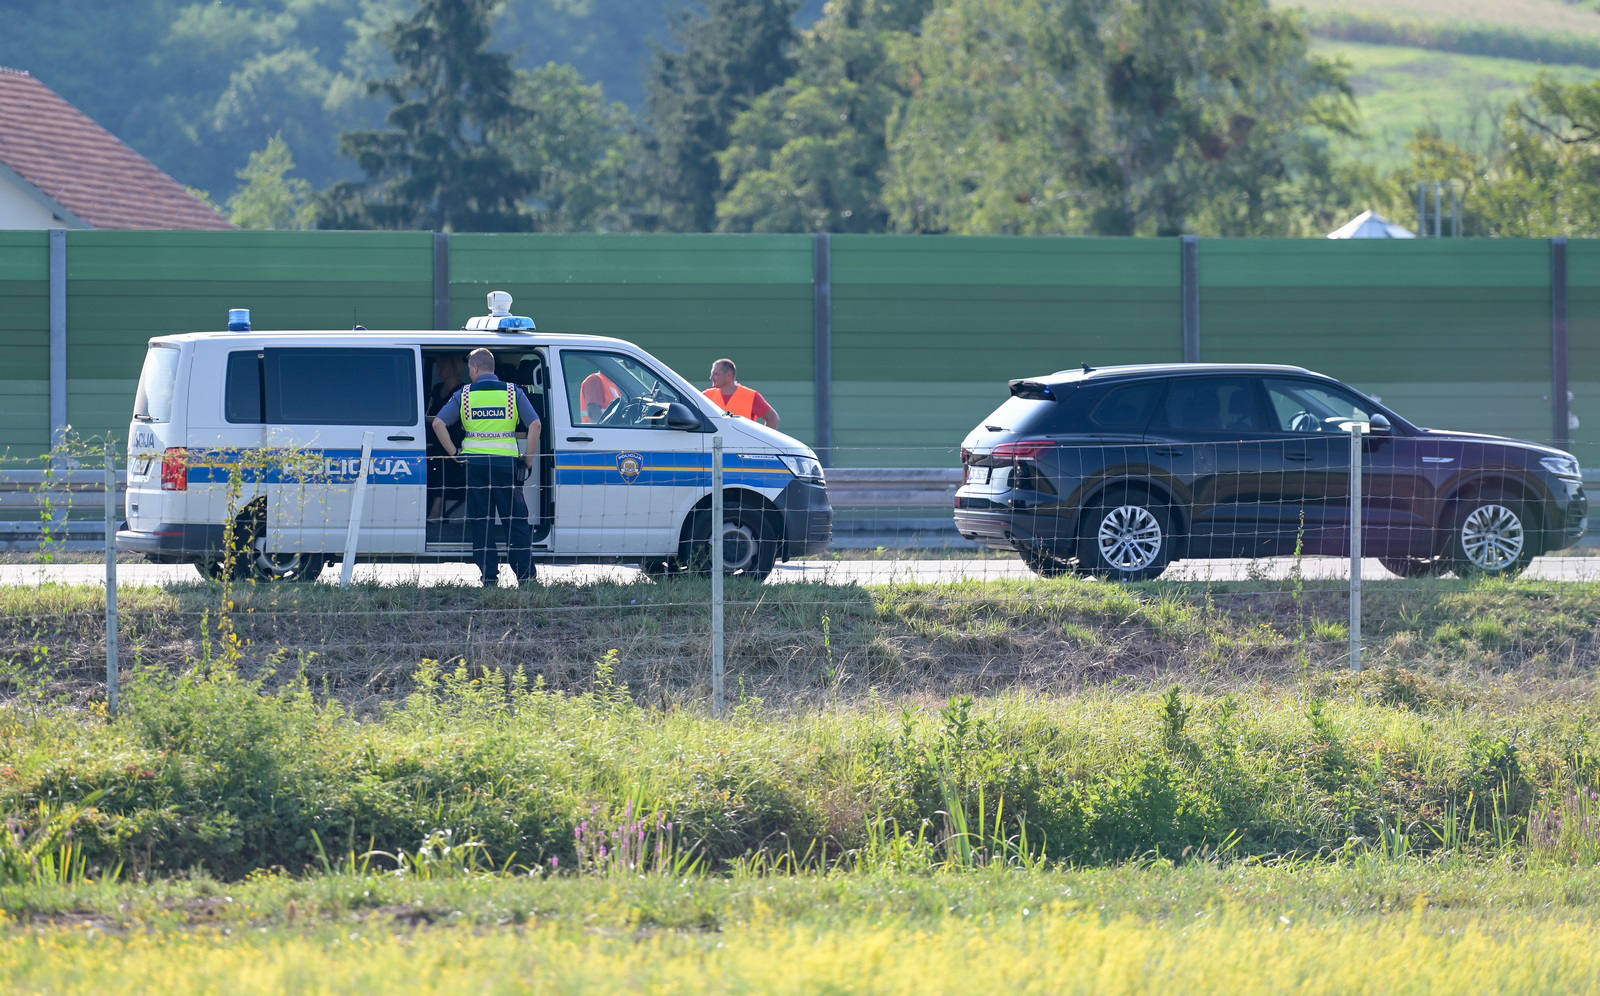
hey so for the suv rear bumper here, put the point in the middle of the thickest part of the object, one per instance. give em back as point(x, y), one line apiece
point(1002, 528)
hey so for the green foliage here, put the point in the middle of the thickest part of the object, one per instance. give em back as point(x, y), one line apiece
point(271, 198)
point(580, 149)
point(809, 155)
point(435, 167)
point(1111, 118)
point(726, 57)
point(1536, 179)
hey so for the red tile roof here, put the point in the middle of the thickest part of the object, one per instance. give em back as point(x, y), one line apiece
point(86, 169)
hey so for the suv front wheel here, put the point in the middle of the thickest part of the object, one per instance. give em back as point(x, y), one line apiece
point(1126, 537)
point(1491, 536)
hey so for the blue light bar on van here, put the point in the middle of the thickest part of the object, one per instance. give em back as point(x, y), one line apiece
point(238, 319)
point(499, 318)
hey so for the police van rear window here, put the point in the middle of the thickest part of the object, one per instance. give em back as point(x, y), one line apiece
point(157, 383)
point(341, 386)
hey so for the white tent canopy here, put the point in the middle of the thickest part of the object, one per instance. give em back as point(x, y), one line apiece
point(1370, 225)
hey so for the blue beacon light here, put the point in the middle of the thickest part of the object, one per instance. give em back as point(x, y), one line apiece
point(238, 319)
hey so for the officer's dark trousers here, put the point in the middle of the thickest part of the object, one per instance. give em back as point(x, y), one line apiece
point(492, 492)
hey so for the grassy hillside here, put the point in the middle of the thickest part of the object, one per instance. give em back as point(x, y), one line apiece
point(1522, 15)
point(1399, 88)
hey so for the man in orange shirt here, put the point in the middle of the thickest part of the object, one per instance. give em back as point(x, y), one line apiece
point(734, 398)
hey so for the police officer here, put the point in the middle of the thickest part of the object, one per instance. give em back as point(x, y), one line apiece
point(490, 410)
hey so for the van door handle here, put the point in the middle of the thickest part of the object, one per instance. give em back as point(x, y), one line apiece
point(580, 439)
point(1297, 456)
point(402, 439)
point(1168, 451)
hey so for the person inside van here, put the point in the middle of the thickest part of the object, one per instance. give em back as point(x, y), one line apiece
point(595, 395)
point(447, 482)
point(490, 411)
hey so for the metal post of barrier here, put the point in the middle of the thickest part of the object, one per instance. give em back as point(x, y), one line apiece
point(1356, 428)
point(111, 577)
point(356, 503)
point(717, 703)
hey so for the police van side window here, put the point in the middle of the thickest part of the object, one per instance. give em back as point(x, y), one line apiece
point(341, 386)
point(242, 389)
point(611, 390)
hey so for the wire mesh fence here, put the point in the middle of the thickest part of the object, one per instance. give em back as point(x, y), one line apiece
point(950, 571)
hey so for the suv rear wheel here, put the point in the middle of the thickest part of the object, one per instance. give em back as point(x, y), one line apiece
point(1417, 567)
point(1491, 535)
point(1127, 537)
point(1043, 564)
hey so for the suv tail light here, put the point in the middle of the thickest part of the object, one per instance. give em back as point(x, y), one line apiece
point(1013, 452)
point(175, 469)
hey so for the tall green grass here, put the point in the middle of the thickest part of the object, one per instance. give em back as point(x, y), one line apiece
point(481, 770)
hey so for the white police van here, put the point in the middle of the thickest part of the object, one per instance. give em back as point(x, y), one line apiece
point(252, 442)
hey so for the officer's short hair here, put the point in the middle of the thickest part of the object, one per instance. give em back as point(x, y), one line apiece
point(481, 360)
point(725, 362)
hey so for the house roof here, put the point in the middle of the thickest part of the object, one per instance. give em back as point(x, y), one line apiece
point(86, 174)
point(1370, 225)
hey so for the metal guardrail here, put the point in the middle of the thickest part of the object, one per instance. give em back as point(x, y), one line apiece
point(854, 492)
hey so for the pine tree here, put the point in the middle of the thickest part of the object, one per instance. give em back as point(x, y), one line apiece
point(435, 167)
point(730, 55)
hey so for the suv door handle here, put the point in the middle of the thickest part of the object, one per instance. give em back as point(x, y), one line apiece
point(1297, 456)
point(580, 439)
point(402, 439)
point(1169, 451)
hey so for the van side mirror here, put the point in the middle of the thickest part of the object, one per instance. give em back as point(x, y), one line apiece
point(1379, 424)
point(681, 417)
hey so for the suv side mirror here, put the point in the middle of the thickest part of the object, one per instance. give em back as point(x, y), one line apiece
point(681, 417)
point(1379, 424)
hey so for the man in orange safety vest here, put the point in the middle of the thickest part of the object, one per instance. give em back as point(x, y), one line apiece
point(734, 398)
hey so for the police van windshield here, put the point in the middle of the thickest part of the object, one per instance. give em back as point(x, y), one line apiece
point(158, 381)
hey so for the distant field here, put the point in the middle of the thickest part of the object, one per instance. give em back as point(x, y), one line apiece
point(1399, 89)
point(1530, 15)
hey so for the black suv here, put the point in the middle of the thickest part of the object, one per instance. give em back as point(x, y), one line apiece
point(1118, 471)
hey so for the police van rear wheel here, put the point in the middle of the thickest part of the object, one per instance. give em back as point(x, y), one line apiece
point(274, 567)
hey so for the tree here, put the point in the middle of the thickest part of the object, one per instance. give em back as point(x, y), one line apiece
point(1545, 178)
point(579, 149)
point(270, 197)
point(809, 155)
point(1116, 117)
point(733, 53)
point(436, 166)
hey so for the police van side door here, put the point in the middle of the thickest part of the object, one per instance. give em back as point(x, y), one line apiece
point(624, 480)
point(319, 403)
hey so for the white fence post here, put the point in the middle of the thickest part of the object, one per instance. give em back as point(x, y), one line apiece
point(357, 502)
point(1357, 427)
point(717, 703)
point(111, 578)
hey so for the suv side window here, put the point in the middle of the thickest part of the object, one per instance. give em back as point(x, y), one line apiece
point(1211, 404)
point(1302, 406)
point(1127, 407)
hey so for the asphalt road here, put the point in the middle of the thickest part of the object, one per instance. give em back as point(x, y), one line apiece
point(867, 572)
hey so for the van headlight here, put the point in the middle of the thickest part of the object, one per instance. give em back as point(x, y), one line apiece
point(1562, 466)
point(803, 467)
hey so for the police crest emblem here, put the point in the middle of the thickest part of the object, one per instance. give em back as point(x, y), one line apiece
point(629, 465)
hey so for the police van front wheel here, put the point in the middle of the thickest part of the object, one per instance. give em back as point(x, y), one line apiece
point(748, 547)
